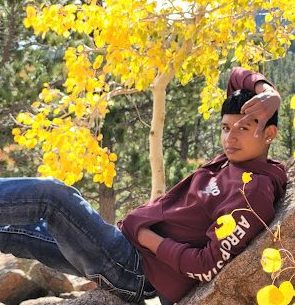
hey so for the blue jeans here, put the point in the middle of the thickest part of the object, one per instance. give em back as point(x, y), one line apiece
point(45, 220)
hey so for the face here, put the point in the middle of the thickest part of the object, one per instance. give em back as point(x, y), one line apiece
point(239, 143)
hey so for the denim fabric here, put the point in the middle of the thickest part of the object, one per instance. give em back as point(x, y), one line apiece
point(48, 221)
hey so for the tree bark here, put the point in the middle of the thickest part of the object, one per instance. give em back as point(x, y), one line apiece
point(106, 195)
point(11, 32)
point(184, 145)
point(156, 133)
point(107, 200)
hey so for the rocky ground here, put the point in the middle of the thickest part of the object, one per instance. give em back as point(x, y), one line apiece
point(28, 282)
point(22, 279)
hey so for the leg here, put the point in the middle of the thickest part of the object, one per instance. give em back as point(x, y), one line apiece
point(96, 249)
point(34, 242)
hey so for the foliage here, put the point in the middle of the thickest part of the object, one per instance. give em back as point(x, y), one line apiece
point(128, 44)
point(27, 64)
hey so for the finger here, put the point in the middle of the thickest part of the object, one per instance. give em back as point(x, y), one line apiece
point(254, 108)
point(260, 128)
point(244, 120)
point(254, 100)
point(253, 116)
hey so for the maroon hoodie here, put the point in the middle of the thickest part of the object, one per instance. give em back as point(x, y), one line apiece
point(186, 217)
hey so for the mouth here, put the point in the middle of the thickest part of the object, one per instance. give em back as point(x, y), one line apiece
point(231, 150)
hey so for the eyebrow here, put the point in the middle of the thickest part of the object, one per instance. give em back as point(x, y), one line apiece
point(226, 124)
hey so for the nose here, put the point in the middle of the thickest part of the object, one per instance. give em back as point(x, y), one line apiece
point(231, 136)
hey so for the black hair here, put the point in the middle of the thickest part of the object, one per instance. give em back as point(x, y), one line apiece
point(234, 103)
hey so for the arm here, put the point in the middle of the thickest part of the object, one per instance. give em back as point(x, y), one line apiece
point(149, 239)
point(262, 106)
point(244, 79)
point(204, 263)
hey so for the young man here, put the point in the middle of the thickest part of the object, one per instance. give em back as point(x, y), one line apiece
point(168, 245)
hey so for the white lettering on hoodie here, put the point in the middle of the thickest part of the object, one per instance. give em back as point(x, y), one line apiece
point(225, 247)
point(212, 188)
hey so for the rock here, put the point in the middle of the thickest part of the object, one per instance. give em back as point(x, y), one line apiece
point(239, 281)
point(71, 295)
point(81, 283)
point(43, 301)
point(96, 297)
point(50, 279)
point(16, 286)
point(8, 261)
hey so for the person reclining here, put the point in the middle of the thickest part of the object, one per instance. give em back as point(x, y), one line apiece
point(168, 245)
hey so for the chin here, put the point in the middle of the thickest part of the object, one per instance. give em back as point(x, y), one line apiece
point(239, 160)
point(233, 160)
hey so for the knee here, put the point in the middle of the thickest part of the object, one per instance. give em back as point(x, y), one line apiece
point(49, 186)
point(56, 188)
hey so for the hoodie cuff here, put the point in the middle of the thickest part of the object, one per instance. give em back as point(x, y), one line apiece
point(169, 252)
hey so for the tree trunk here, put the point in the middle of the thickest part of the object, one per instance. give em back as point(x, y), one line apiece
point(184, 143)
point(8, 42)
point(106, 195)
point(107, 200)
point(156, 133)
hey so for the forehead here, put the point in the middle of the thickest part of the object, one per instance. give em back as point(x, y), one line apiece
point(231, 119)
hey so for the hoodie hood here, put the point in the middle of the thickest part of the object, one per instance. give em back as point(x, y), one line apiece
point(272, 168)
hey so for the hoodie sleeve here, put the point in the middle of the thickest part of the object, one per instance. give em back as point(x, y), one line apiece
point(203, 264)
point(244, 79)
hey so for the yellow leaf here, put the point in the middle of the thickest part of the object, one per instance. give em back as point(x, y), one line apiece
point(16, 131)
point(206, 115)
point(80, 48)
point(98, 61)
point(271, 260)
point(246, 177)
point(36, 104)
point(31, 11)
point(270, 295)
point(113, 157)
point(292, 103)
point(287, 290)
point(228, 225)
point(268, 17)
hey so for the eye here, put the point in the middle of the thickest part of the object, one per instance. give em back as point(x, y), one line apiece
point(243, 128)
point(224, 128)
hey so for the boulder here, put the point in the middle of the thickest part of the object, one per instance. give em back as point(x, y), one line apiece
point(16, 286)
point(56, 281)
point(81, 283)
point(8, 261)
point(50, 279)
point(239, 281)
point(71, 295)
point(43, 301)
point(95, 297)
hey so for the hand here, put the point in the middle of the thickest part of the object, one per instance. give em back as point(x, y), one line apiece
point(149, 239)
point(261, 108)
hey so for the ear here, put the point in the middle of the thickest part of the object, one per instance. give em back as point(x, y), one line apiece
point(270, 132)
